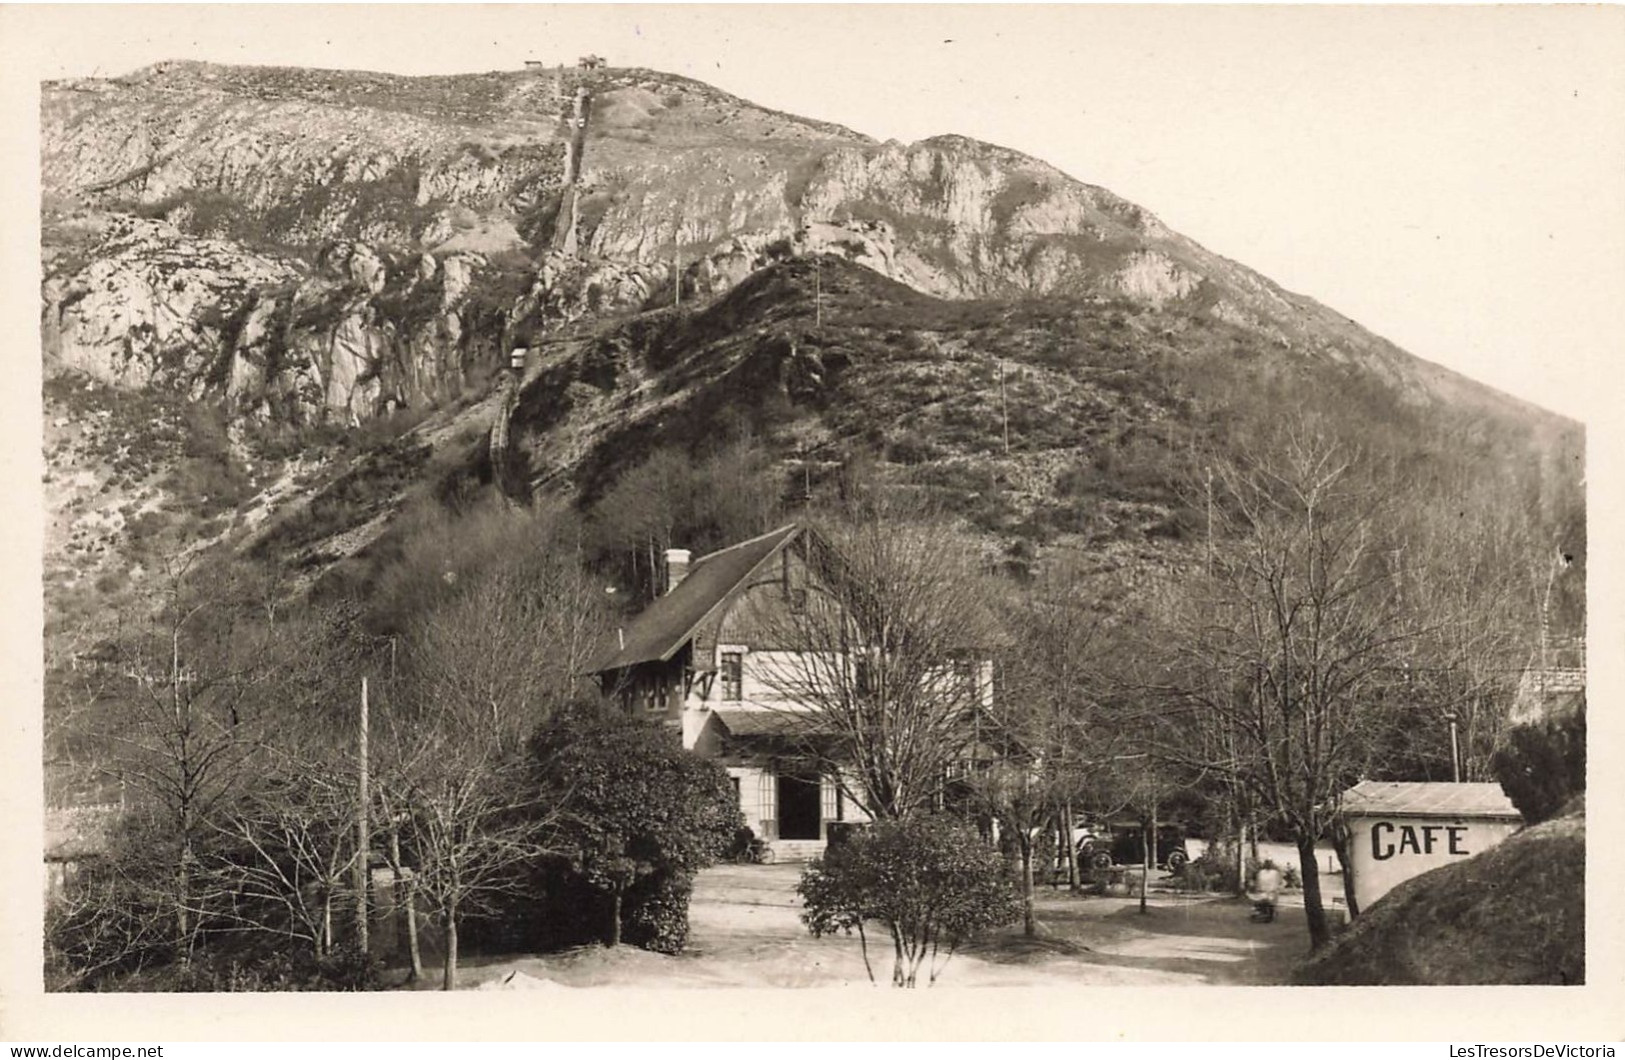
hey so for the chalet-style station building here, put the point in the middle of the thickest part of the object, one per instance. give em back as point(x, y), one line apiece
point(719, 657)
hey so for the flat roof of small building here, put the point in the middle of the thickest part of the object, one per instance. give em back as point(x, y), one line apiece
point(1400, 798)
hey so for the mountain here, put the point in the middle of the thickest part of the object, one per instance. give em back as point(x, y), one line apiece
point(633, 168)
point(279, 302)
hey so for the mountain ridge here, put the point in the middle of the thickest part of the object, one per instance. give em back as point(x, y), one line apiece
point(360, 254)
point(1030, 230)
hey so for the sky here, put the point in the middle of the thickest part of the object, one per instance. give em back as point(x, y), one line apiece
point(1453, 178)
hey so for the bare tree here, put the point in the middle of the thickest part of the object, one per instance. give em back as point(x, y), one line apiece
point(295, 848)
point(885, 666)
point(1287, 651)
point(116, 913)
point(210, 687)
point(670, 500)
point(193, 666)
point(483, 671)
point(1479, 573)
point(1050, 722)
point(474, 826)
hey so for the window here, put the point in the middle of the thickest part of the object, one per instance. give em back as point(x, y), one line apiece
point(965, 678)
point(733, 676)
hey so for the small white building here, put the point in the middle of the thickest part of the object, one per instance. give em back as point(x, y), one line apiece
point(75, 837)
point(1401, 829)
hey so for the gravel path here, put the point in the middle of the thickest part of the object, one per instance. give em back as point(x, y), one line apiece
point(745, 931)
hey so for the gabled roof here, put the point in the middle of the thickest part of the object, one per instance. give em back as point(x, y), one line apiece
point(1385, 798)
point(666, 625)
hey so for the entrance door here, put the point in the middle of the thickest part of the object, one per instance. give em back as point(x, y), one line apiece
point(798, 806)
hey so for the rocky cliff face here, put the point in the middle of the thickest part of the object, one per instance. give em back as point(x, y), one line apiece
point(252, 265)
point(308, 243)
point(348, 336)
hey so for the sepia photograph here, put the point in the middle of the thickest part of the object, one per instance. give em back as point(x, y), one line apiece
point(800, 499)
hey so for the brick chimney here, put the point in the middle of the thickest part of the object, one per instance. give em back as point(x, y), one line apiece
point(676, 567)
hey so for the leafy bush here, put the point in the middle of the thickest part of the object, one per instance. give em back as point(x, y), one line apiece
point(930, 881)
point(1193, 877)
point(1543, 766)
point(254, 970)
point(657, 911)
point(640, 815)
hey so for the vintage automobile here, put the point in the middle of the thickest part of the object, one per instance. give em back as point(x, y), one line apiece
point(1094, 845)
point(1127, 845)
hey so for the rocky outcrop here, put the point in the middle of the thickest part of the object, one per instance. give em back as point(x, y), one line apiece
point(152, 306)
point(668, 168)
point(351, 338)
point(588, 191)
point(1155, 279)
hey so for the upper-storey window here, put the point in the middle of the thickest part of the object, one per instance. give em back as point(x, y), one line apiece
point(733, 676)
point(966, 678)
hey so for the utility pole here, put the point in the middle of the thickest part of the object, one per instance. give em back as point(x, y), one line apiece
point(361, 829)
point(818, 293)
point(1455, 749)
point(1210, 519)
point(1004, 409)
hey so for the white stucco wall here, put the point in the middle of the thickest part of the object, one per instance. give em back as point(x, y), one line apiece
point(751, 794)
point(1389, 850)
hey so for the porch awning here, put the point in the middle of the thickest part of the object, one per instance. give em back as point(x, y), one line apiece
point(767, 723)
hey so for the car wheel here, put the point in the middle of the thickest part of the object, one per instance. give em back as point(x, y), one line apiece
point(1176, 860)
point(1101, 860)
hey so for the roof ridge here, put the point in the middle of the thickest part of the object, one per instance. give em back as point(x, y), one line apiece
point(672, 618)
point(792, 525)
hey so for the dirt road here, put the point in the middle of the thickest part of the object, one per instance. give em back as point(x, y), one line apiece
point(746, 932)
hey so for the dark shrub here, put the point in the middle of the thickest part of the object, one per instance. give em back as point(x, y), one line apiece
point(262, 969)
point(1215, 870)
point(1543, 766)
point(639, 815)
point(656, 912)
